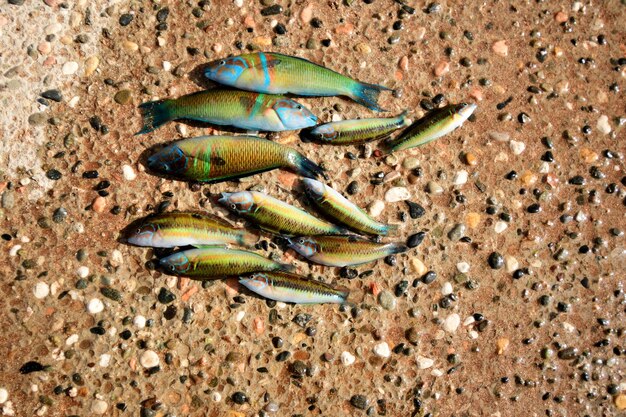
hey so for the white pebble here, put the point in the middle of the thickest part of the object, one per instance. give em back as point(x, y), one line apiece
point(240, 315)
point(139, 322)
point(499, 136)
point(99, 407)
point(116, 258)
point(4, 395)
point(216, 397)
point(463, 267)
point(424, 363)
point(436, 373)
point(14, 249)
point(382, 350)
point(149, 359)
point(376, 207)
point(603, 125)
point(511, 264)
point(517, 147)
point(469, 320)
point(396, 194)
point(53, 28)
point(280, 305)
point(335, 118)
point(181, 129)
point(544, 167)
point(70, 67)
point(105, 360)
point(82, 271)
point(473, 334)
point(347, 358)
point(129, 173)
point(460, 178)
point(451, 323)
point(73, 102)
point(500, 226)
point(239, 3)
point(41, 290)
point(446, 288)
point(95, 306)
point(580, 217)
point(71, 339)
point(167, 65)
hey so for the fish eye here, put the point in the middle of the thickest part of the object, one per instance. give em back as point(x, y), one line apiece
point(138, 231)
point(171, 268)
point(301, 241)
point(299, 107)
point(222, 62)
point(233, 206)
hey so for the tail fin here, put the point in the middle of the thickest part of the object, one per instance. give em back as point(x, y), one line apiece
point(305, 167)
point(155, 114)
point(367, 95)
point(405, 121)
point(397, 247)
point(286, 267)
point(389, 229)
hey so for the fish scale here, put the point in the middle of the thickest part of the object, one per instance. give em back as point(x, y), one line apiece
point(357, 130)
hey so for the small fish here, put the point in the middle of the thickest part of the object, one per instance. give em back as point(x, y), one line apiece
point(241, 109)
point(179, 228)
point(434, 125)
point(343, 250)
point(336, 206)
point(273, 73)
point(219, 158)
point(347, 132)
point(276, 216)
point(215, 262)
point(290, 288)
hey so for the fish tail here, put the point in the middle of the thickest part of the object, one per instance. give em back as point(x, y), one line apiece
point(403, 119)
point(344, 294)
point(389, 229)
point(155, 114)
point(286, 267)
point(367, 95)
point(248, 239)
point(305, 167)
point(397, 248)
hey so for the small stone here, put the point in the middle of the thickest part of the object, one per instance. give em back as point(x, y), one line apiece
point(130, 46)
point(382, 350)
point(272, 10)
point(70, 67)
point(82, 272)
point(41, 290)
point(495, 260)
point(502, 344)
point(347, 358)
point(451, 323)
point(99, 204)
point(149, 359)
point(471, 159)
point(442, 68)
point(139, 322)
point(472, 220)
point(95, 306)
point(457, 232)
point(306, 14)
point(4, 395)
point(99, 407)
point(165, 296)
point(511, 264)
point(91, 64)
point(446, 288)
point(500, 136)
point(424, 363)
point(434, 188)
point(415, 239)
point(54, 95)
point(128, 172)
point(359, 401)
point(500, 226)
point(418, 266)
point(603, 124)
point(620, 402)
point(403, 64)
point(410, 163)
point(528, 178)
point(517, 147)
point(460, 178)
point(363, 48)
point(463, 267)
point(122, 97)
point(500, 48)
point(126, 19)
point(387, 300)
point(396, 194)
point(375, 208)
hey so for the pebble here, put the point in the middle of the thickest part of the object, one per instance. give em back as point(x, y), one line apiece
point(128, 172)
point(91, 64)
point(434, 188)
point(620, 402)
point(359, 401)
point(70, 67)
point(511, 264)
point(442, 68)
point(387, 300)
point(460, 178)
point(500, 226)
point(500, 48)
point(418, 266)
point(495, 260)
point(500, 136)
point(54, 95)
point(4, 395)
point(463, 267)
point(347, 358)
point(82, 271)
point(216, 397)
point(122, 97)
point(306, 14)
point(375, 208)
point(424, 363)
point(99, 204)
point(382, 350)
point(517, 147)
point(139, 322)
point(41, 290)
point(457, 232)
point(446, 288)
point(502, 344)
point(451, 323)
point(396, 194)
point(99, 407)
point(95, 306)
point(603, 124)
point(149, 359)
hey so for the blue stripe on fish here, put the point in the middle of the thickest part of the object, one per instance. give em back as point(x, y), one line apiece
point(266, 71)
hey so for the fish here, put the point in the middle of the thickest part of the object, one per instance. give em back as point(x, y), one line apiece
point(334, 205)
point(355, 131)
point(216, 262)
point(434, 125)
point(342, 250)
point(268, 72)
point(290, 288)
point(180, 228)
point(213, 159)
point(240, 109)
point(276, 216)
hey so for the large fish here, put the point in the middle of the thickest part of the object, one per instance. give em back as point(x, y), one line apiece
point(273, 73)
point(219, 158)
point(336, 206)
point(348, 132)
point(179, 228)
point(215, 262)
point(290, 288)
point(342, 250)
point(241, 109)
point(434, 125)
point(276, 216)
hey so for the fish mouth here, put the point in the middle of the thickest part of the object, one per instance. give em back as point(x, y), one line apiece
point(468, 110)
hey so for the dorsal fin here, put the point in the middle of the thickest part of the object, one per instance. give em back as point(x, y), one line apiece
point(211, 217)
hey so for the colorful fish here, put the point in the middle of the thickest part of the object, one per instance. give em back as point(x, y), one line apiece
point(240, 109)
point(276, 216)
point(343, 250)
point(273, 73)
point(216, 262)
point(336, 206)
point(179, 228)
point(349, 132)
point(219, 158)
point(434, 125)
point(290, 288)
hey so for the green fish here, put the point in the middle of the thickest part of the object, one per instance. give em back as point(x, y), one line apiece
point(216, 262)
point(343, 250)
point(180, 228)
point(434, 125)
point(268, 72)
point(336, 206)
point(219, 158)
point(290, 288)
point(240, 109)
point(276, 216)
point(349, 132)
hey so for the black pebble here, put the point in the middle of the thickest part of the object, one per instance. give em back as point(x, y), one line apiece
point(353, 188)
point(316, 23)
point(125, 19)
point(349, 273)
point(53, 174)
point(30, 367)
point(162, 15)
point(359, 401)
point(429, 277)
point(495, 260)
point(577, 180)
point(280, 29)
point(415, 210)
point(523, 118)
point(272, 10)
point(239, 398)
point(283, 356)
point(533, 208)
point(166, 296)
point(54, 95)
point(415, 239)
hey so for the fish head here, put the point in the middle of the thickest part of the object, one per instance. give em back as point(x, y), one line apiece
point(305, 246)
point(324, 132)
point(176, 264)
point(464, 110)
point(227, 70)
point(142, 233)
point(293, 115)
point(239, 202)
point(256, 281)
point(314, 189)
point(170, 161)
